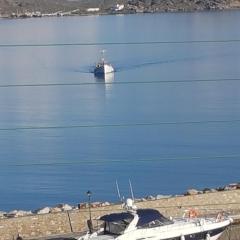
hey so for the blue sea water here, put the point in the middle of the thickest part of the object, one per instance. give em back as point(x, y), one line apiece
point(58, 141)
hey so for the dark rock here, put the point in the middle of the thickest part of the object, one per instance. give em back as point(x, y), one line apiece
point(220, 189)
point(82, 205)
point(206, 190)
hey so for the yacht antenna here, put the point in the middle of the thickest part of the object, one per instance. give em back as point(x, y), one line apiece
point(118, 191)
point(131, 189)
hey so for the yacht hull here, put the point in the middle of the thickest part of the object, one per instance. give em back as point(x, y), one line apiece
point(205, 235)
point(191, 231)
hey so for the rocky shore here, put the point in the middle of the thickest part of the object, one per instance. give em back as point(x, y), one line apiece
point(40, 8)
point(66, 207)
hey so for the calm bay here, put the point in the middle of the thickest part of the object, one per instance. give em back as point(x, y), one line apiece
point(168, 119)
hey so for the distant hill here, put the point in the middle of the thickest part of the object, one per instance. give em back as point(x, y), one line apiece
point(7, 7)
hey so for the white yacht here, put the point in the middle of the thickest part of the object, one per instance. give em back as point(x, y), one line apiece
point(102, 67)
point(141, 224)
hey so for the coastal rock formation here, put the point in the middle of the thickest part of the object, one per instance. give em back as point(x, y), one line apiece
point(17, 213)
point(104, 204)
point(42, 210)
point(150, 197)
point(62, 207)
point(209, 190)
point(66, 207)
point(192, 192)
point(55, 210)
point(93, 205)
point(2, 214)
point(159, 196)
point(232, 186)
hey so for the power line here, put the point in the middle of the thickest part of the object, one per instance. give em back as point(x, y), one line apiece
point(135, 161)
point(120, 83)
point(118, 125)
point(119, 43)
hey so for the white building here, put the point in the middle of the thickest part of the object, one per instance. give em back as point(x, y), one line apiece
point(118, 7)
point(93, 9)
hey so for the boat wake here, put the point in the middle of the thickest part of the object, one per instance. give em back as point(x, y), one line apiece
point(127, 66)
point(120, 67)
point(149, 63)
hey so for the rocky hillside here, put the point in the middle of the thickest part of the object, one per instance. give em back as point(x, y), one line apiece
point(184, 5)
point(9, 7)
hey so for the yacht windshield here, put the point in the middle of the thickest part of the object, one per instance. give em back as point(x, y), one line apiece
point(151, 218)
point(116, 223)
point(116, 228)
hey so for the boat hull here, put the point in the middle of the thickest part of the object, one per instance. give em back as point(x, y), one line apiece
point(193, 231)
point(213, 235)
point(103, 69)
point(206, 235)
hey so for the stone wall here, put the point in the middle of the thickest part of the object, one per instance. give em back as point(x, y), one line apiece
point(75, 221)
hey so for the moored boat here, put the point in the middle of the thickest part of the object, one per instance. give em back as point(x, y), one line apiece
point(140, 224)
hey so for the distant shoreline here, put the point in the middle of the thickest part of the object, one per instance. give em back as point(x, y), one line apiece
point(112, 14)
point(42, 11)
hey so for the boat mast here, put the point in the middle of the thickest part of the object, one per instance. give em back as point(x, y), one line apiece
point(102, 55)
point(131, 189)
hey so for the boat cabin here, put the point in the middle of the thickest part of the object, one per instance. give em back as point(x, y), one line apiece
point(117, 223)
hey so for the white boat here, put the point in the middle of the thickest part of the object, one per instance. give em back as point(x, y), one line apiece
point(141, 224)
point(102, 67)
